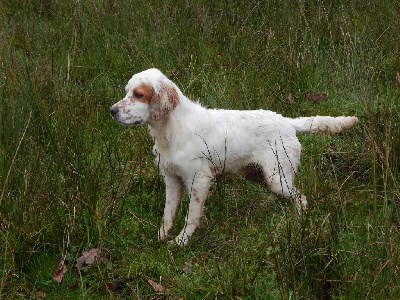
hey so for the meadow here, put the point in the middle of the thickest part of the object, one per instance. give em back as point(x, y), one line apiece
point(73, 181)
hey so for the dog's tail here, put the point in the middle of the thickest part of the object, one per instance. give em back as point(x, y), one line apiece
point(322, 124)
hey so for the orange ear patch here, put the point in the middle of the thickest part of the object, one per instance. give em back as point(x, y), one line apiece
point(164, 102)
point(172, 95)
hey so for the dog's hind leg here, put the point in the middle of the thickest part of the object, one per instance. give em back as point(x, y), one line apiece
point(283, 186)
point(280, 181)
point(280, 167)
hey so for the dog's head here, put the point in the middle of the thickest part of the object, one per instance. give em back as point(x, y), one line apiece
point(150, 96)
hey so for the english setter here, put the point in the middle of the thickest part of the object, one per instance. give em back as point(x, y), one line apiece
point(193, 144)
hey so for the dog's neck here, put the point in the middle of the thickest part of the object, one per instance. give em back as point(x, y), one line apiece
point(158, 131)
point(171, 129)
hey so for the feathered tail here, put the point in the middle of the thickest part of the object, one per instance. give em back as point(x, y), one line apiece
point(323, 125)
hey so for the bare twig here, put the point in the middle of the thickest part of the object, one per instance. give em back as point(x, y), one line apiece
point(14, 158)
point(143, 222)
point(278, 269)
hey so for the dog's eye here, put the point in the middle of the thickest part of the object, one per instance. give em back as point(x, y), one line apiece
point(137, 95)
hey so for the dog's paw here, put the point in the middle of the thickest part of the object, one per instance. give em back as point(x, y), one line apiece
point(304, 203)
point(162, 234)
point(301, 204)
point(171, 244)
point(182, 239)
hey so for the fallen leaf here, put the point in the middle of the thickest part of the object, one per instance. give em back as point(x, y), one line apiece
point(75, 284)
point(187, 267)
point(158, 288)
point(204, 256)
point(60, 271)
point(316, 97)
point(118, 285)
point(89, 258)
point(398, 78)
point(40, 294)
point(291, 99)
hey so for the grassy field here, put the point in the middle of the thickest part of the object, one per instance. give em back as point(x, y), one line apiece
point(72, 180)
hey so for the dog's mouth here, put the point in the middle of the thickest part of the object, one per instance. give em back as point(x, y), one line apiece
point(135, 123)
point(138, 122)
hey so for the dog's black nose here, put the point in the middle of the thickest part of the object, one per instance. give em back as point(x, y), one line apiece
point(113, 110)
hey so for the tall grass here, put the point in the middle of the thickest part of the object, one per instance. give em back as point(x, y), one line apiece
point(72, 180)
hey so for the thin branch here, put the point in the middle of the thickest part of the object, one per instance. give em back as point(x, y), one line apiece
point(14, 158)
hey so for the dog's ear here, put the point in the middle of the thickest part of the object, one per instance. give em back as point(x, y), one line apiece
point(163, 102)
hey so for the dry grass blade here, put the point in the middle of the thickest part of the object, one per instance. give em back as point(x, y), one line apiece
point(15, 157)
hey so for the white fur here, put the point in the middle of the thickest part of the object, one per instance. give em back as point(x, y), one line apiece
point(193, 144)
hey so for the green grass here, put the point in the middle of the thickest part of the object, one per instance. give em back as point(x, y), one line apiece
point(72, 179)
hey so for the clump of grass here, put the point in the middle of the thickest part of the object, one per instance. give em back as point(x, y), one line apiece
point(72, 180)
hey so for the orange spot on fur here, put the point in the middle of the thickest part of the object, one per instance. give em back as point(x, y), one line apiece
point(145, 90)
point(253, 172)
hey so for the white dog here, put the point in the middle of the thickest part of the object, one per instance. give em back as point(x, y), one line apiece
point(193, 144)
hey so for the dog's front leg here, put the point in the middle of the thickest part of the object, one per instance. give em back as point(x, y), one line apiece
point(174, 192)
point(198, 191)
